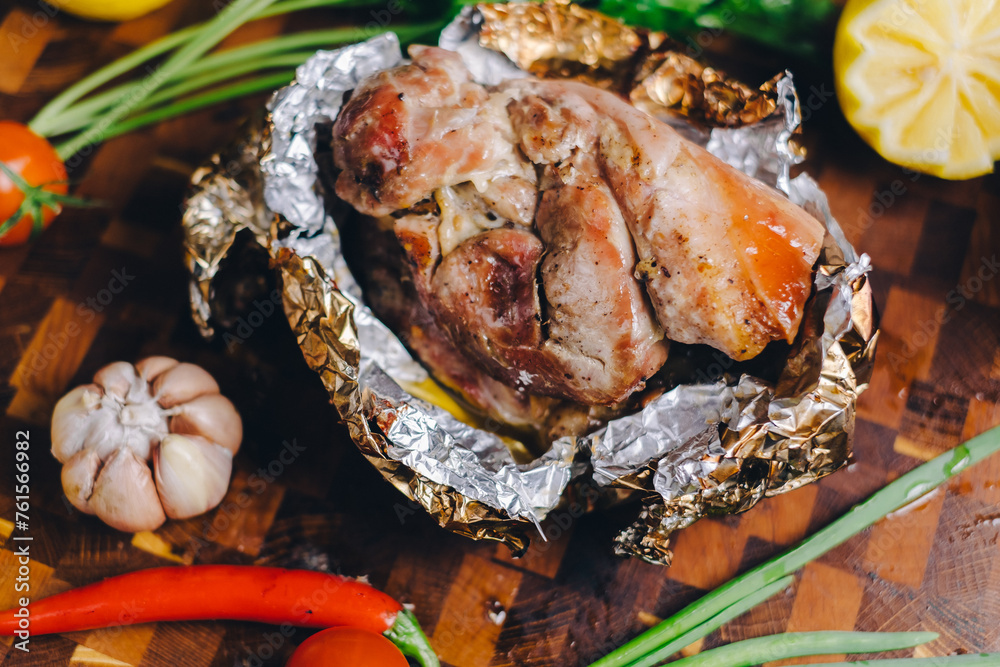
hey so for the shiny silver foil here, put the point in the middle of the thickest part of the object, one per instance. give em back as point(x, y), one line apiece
point(421, 436)
point(696, 449)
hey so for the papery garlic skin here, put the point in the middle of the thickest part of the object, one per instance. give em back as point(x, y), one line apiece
point(159, 410)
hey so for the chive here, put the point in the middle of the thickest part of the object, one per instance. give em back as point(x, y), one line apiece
point(212, 69)
point(85, 113)
point(222, 94)
point(965, 660)
point(211, 34)
point(717, 621)
point(157, 48)
point(107, 73)
point(249, 87)
point(902, 491)
point(750, 652)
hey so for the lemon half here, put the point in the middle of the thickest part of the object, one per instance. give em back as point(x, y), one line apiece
point(109, 10)
point(920, 81)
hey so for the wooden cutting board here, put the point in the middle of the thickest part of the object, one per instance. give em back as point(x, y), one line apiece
point(934, 246)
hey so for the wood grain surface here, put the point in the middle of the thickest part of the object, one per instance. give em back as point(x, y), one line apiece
point(934, 246)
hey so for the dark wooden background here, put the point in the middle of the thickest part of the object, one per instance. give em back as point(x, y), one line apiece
point(936, 567)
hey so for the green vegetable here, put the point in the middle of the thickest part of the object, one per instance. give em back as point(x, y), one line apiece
point(409, 638)
point(750, 652)
point(717, 621)
point(213, 32)
point(191, 78)
point(229, 65)
point(793, 26)
point(659, 641)
point(969, 660)
point(165, 44)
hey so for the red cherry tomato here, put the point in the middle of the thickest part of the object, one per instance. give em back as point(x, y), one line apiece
point(347, 647)
point(32, 158)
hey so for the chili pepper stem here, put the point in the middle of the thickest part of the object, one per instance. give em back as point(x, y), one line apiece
point(410, 639)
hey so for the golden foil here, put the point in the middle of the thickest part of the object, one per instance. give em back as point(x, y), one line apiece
point(757, 440)
point(226, 197)
point(322, 318)
point(805, 434)
point(561, 40)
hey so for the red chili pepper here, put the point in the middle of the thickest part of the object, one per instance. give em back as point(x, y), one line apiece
point(233, 592)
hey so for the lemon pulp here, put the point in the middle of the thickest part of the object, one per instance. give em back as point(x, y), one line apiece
point(920, 81)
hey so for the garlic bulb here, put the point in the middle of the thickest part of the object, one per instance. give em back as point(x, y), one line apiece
point(158, 410)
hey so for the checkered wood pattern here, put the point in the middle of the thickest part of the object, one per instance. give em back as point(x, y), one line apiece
point(936, 567)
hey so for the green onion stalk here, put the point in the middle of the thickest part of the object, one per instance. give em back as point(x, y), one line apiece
point(749, 589)
point(191, 75)
point(184, 72)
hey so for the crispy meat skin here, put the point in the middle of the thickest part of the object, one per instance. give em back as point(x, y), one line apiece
point(571, 230)
point(407, 131)
point(726, 260)
point(389, 289)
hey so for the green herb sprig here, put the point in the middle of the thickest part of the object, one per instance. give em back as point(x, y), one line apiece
point(742, 593)
point(792, 26)
point(192, 76)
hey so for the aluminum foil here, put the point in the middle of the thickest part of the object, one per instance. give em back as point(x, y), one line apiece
point(226, 199)
point(699, 448)
point(563, 40)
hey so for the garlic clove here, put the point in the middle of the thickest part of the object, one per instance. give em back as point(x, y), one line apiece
point(183, 383)
point(152, 367)
point(125, 496)
point(78, 478)
point(192, 474)
point(211, 416)
point(117, 379)
point(71, 420)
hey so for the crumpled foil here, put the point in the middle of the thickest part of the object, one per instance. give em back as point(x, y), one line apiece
point(700, 448)
point(562, 40)
point(226, 198)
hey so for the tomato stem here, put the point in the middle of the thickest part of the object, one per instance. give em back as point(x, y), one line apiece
point(36, 198)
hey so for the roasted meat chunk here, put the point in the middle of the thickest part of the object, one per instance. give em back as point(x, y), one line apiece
point(487, 296)
point(411, 130)
point(560, 237)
